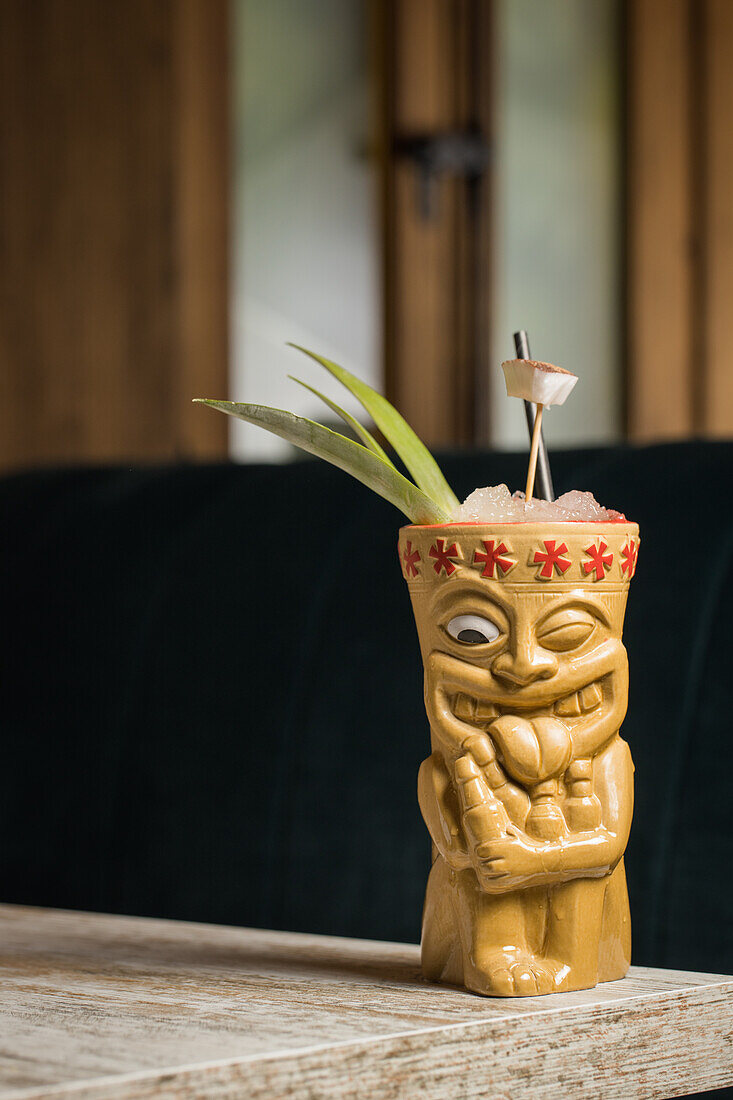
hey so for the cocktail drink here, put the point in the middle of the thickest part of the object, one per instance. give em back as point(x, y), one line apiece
point(528, 791)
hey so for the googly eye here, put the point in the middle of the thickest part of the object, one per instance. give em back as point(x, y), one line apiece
point(473, 630)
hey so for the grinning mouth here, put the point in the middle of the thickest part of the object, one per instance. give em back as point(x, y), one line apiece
point(480, 713)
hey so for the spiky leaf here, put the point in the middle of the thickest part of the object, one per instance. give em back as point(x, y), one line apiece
point(363, 433)
point(413, 452)
point(356, 460)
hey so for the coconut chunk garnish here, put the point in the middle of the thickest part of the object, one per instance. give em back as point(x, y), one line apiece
point(542, 383)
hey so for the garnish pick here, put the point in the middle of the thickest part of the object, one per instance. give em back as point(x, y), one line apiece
point(542, 384)
point(544, 476)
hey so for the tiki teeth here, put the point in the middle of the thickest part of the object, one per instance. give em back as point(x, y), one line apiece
point(486, 713)
point(590, 697)
point(471, 710)
point(464, 708)
point(569, 707)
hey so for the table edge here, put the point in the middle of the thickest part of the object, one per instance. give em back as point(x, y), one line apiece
point(100, 1086)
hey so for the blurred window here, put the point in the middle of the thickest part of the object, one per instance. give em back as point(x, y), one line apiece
point(306, 234)
point(306, 242)
point(557, 215)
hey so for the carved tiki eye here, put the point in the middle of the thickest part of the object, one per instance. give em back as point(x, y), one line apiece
point(566, 630)
point(473, 630)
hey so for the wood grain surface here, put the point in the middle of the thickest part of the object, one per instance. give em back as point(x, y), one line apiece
point(114, 237)
point(679, 188)
point(102, 1006)
point(660, 262)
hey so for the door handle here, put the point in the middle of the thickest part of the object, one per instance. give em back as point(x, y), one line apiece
point(462, 153)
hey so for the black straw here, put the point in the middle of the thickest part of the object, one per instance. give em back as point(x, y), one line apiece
point(544, 477)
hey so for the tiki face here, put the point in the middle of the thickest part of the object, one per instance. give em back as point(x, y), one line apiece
point(531, 651)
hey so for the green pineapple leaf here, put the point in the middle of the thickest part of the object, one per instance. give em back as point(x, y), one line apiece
point(413, 452)
point(352, 457)
point(366, 436)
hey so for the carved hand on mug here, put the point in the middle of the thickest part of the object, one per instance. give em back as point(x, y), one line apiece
point(505, 863)
point(500, 851)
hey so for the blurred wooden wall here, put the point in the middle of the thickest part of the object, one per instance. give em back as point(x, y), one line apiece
point(680, 218)
point(113, 229)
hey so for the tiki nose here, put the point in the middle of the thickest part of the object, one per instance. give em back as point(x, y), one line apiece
point(524, 666)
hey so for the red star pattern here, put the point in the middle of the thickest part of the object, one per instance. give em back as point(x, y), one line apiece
point(443, 556)
point(552, 558)
point(493, 558)
point(411, 558)
point(629, 555)
point(600, 561)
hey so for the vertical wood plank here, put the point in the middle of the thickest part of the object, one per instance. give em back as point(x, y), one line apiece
point(423, 323)
point(462, 354)
point(108, 231)
point(430, 49)
point(482, 197)
point(660, 230)
point(201, 179)
point(717, 232)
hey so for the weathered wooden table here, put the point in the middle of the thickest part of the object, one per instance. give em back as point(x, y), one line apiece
point(100, 1006)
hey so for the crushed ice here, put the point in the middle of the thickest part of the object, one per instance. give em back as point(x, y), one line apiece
point(495, 504)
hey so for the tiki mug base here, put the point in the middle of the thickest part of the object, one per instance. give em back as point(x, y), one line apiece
point(528, 791)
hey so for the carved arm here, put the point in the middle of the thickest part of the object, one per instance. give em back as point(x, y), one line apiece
point(518, 861)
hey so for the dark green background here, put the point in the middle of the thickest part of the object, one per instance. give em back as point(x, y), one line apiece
point(211, 695)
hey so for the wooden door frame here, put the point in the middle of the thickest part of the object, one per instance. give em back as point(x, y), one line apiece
point(432, 59)
point(679, 188)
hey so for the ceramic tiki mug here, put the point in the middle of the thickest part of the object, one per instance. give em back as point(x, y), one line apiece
point(528, 791)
